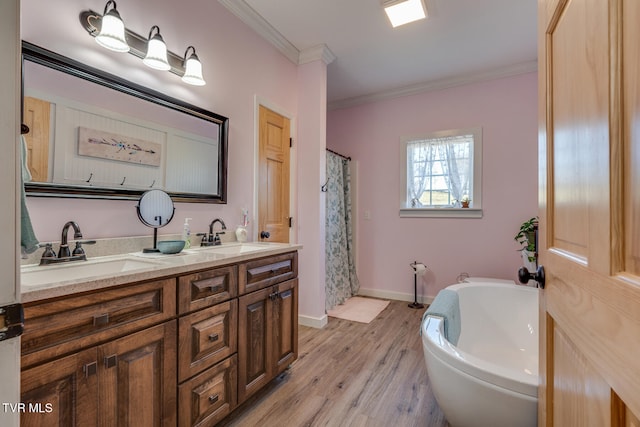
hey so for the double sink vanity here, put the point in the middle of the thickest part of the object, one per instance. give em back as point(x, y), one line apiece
point(142, 339)
point(150, 339)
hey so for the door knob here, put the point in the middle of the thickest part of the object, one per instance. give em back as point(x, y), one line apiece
point(524, 276)
point(265, 235)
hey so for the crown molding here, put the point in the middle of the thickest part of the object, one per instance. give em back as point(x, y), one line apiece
point(255, 21)
point(316, 53)
point(498, 73)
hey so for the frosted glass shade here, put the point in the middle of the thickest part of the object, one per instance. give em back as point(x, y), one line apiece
point(193, 72)
point(111, 34)
point(157, 54)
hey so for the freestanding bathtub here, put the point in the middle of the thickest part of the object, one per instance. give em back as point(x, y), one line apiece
point(490, 378)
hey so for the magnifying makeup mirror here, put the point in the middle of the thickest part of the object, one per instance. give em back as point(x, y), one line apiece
point(155, 209)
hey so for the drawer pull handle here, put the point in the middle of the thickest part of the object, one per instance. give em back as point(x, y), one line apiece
point(216, 288)
point(111, 361)
point(90, 369)
point(101, 319)
point(213, 337)
point(213, 399)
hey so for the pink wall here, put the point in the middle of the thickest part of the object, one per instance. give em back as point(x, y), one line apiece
point(238, 66)
point(311, 162)
point(506, 109)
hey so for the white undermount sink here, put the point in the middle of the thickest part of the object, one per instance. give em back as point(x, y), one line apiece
point(57, 273)
point(229, 249)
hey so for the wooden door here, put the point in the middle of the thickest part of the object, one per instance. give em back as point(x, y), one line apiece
point(138, 378)
point(254, 342)
point(63, 392)
point(37, 116)
point(273, 191)
point(285, 325)
point(590, 212)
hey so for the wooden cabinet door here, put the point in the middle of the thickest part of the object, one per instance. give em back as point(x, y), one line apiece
point(285, 325)
point(254, 342)
point(590, 206)
point(138, 378)
point(61, 393)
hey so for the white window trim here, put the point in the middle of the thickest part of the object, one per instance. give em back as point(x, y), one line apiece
point(473, 212)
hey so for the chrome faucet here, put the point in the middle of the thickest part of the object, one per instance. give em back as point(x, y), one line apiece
point(64, 253)
point(211, 239)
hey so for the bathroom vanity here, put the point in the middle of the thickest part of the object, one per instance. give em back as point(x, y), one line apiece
point(174, 341)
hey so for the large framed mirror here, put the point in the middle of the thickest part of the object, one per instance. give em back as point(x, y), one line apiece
point(96, 135)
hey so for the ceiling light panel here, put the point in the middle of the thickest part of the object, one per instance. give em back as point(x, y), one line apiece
point(404, 11)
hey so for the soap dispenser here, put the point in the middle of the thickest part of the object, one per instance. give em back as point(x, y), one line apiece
point(186, 233)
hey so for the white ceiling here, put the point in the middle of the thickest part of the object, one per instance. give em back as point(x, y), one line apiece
point(462, 40)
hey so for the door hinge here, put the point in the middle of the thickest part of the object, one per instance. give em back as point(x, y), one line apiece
point(290, 142)
point(290, 221)
point(11, 321)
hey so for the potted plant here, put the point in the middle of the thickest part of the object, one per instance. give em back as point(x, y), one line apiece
point(527, 238)
point(464, 201)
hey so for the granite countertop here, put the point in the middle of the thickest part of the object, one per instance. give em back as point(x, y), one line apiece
point(57, 280)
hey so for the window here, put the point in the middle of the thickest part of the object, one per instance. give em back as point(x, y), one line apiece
point(440, 171)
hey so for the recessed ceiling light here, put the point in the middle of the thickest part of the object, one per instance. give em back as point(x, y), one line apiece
point(402, 12)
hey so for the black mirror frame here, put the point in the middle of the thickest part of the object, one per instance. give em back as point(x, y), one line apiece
point(67, 65)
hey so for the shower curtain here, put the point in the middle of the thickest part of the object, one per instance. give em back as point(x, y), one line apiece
point(340, 270)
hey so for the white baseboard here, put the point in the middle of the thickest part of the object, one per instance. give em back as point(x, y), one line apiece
point(313, 322)
point(398, 296)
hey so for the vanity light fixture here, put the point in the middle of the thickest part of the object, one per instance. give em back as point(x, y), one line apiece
point(192, 69)
point(152, 50)
point(111, 34)
point(156, 56)
point(402, 12)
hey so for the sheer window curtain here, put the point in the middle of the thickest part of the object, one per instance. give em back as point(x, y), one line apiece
point(419, 168)
point(340, 269)
point(451, 153)
point(456, 175)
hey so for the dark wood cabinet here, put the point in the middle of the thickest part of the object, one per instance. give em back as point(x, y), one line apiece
point(285, 325)
point(128, 381)
point(179, 351)
point(207, 337)
point(267, 335)
point(63, 392)
point(210, 396)
point(137, 378)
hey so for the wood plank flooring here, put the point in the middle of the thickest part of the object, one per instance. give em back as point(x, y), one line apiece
point(351, 374)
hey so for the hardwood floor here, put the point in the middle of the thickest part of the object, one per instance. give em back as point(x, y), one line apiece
point(351, 374)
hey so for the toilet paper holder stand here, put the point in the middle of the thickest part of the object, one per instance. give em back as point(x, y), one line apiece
point(416, 265)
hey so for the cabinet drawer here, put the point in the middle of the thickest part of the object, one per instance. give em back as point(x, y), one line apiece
point(206, 288)
point(206, 337)
point(54, 328)
point(260, 273)
point(210, 396)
